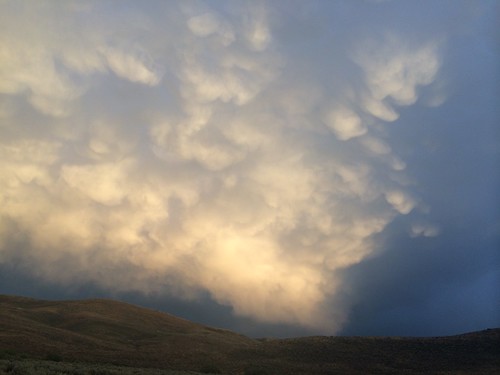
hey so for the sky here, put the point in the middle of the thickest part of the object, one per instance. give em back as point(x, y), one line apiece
point(278, 168)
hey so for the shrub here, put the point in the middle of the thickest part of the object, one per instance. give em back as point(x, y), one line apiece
point(7, 353)
point(12, 368)
point(54, 357)
point(98, 371)
point(255, 370)
point(210, 369)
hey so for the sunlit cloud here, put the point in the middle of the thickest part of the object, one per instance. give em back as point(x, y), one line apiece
point(178, 150)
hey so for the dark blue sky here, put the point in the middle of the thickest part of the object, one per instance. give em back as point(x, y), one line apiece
point(275, 168)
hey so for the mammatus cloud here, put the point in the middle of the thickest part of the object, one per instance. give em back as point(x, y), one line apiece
point(177, 149)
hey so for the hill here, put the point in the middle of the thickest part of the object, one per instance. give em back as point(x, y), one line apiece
point(111, 332)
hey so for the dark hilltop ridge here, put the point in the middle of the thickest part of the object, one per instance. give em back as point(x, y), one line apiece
point(108, 332)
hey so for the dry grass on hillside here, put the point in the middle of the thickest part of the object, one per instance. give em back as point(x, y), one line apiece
point(115, 333)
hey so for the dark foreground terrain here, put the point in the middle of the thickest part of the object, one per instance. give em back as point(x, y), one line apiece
point(108, 337)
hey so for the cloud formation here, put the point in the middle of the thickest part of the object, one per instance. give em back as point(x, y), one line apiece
point(187, 147)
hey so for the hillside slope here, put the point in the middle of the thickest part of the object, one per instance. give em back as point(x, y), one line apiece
point(114, 332)
point(105, 331)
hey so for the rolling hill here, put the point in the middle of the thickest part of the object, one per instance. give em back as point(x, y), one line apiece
point(106, 331)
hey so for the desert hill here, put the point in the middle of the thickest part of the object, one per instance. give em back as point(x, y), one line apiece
point(105, 331)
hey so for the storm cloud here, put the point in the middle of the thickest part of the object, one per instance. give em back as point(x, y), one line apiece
point(280, 162)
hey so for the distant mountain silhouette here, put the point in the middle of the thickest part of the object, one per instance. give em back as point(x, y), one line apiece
point(106, 331)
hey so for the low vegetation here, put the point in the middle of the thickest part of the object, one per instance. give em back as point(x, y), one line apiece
point(108, 337)
point(12, 363)
point(22, 365)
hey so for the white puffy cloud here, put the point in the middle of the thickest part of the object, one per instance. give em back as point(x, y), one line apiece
point(394, 70)
point(203, 25)
point(131, 66)
point(257, 29)
point(194, 156)
point(345, 123)
point(376, 145)
point(401, 201)
point(46, 56)
point(33, 72)
point(104, 183)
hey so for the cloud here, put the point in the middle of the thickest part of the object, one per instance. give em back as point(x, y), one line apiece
point(104, 183)
point(189, 149)
point(401, 202)
point(345, 123)
point(52, 71)
point(424, 229)
point(257, 28)
point(394, 71)
point(133, 67)
point(203, 25)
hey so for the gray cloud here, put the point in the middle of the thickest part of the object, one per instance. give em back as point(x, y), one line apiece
point(242, 153)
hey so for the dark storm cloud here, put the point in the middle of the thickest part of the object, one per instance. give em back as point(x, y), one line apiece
point(426, 287)
point(447, 284)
